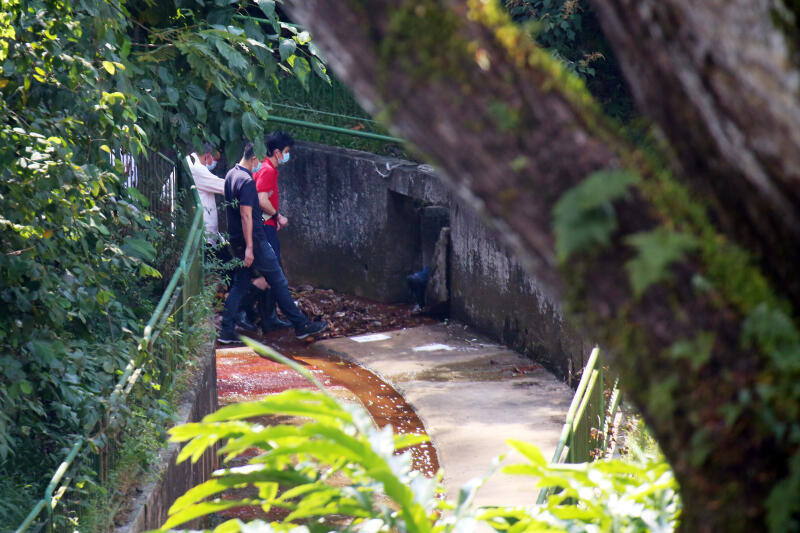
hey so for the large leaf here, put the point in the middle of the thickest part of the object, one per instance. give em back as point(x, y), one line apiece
point(267, 6)
point(301, 69)
point(235, 59)
point(584, 215)
point(252, 127)
point(139, 248)
point(287, 48)
point(656, 250)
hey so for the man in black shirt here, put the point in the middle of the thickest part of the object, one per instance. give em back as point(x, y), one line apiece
point(249, 243)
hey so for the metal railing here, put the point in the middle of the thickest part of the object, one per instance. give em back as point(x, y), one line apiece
point(334, 129)
point(588, 423)
point(159, 185)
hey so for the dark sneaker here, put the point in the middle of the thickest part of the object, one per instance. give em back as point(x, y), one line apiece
point(245, 324)
point(310, 328)
point(228, 337)
point(273, 324)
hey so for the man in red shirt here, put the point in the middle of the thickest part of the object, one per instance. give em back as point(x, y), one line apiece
point(279, 144)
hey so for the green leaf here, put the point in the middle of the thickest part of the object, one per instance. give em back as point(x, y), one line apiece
point(253, 31)
point(234, 59)
point(267, 6)
point(770, 329)
point(230, 132)
point(109, 66)
point(139, 248)
point(26, 387)
point(697, 351)
point(146, 271)
point(287, 48)
point(320, 70)
point(134, 193)
point(584, 215)
point(302, 69)
point(44, 352)
point(172, 95)
point(252, 127)
point(265, 59)
point(231, 106)
point(782, 503)
point(530, 451)
point(203, 509)
point(196, 92)
point(655, 251)
point(103, 297)
point(312, 48)
point(125, 49)
point(409, 439)
point(295, 402)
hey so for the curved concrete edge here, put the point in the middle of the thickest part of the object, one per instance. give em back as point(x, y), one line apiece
point(171, 479)
point(471, 395)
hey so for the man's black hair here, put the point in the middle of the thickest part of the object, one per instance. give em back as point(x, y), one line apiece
point(278, 140)
point(209, 148)
point(249, 152)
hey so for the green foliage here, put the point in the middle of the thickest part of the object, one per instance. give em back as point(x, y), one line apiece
point(416, 32)
point(570, 31)
point(328, 103)
point(81, 256)
point(697, 351)
point(655, 251)
point(772, 331)
point(611, 495)
point(783, 504)
point(336, 471)
point(211, 77)
point(138, 436)
point(584, 216)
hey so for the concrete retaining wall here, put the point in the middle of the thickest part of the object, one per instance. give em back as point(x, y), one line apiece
point(355, 226)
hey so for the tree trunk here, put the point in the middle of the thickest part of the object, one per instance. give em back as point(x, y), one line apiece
point(513, 134)
point(718, 78)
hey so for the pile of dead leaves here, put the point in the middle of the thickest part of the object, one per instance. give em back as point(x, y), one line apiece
point(350, 315)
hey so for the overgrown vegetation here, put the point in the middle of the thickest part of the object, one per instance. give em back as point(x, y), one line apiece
point(80, 251)
point(142, 432)
point(570, 31)
point(331, 104)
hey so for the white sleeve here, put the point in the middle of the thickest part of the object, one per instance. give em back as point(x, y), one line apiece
point(204, 179)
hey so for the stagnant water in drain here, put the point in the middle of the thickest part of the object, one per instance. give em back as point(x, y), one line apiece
point(242, 375)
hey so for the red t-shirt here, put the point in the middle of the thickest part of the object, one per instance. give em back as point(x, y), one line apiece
point(266, 181)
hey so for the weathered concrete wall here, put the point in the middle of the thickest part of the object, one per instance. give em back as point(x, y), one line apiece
point(347, 228)
point(491, 292)
point(354, 226)
point(150, 509)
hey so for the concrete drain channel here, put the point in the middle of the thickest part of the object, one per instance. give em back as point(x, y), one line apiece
point(242, 375)
point(469, 395)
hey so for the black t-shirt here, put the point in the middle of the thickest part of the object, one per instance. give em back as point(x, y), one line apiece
point(240, 189)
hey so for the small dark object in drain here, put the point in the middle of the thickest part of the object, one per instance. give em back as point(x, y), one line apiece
point(417, 283)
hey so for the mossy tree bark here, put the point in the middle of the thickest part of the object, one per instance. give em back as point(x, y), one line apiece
point(721, 82)
point(514, 134)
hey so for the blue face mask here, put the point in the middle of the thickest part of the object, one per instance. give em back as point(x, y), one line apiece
point(285, 158)
point(212, 165)
point(258, 167)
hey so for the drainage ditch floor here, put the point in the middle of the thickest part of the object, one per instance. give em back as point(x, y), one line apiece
point(466, 392)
